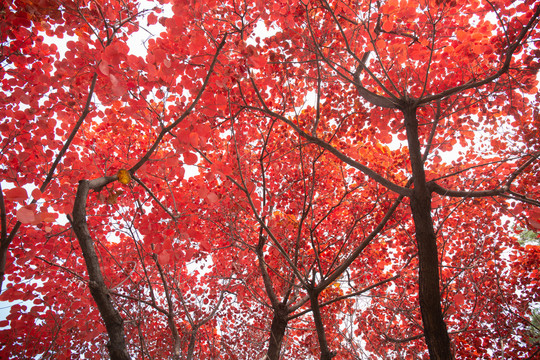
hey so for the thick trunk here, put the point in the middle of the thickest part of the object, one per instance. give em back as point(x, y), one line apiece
point(277, 332)
point(435, 332)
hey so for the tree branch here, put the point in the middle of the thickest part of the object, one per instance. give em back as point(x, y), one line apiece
point(346, 296)
point(170, 312)
point(503, 191)
point(315, 140)
point(345, 265)
point(186, 112)
point(504, 68)
point(436, 188)
point(6, 241)
point(173, 217)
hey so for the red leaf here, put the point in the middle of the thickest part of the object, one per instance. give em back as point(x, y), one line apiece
point(47, 216)
point(534, 224)
point(152, 19)
point(194, 139)
point(212, 197)
point(104, 68)
point(387, 25)
point(459, 299)
point(36, 194)
point(26, 215)
point(115, 53)
point(190, 158)
point(164, 257)
point(257, 61)
point(18, 194)
point(205, 245)
point(118, 88)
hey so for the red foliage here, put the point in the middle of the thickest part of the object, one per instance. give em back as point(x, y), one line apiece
point(303, 163)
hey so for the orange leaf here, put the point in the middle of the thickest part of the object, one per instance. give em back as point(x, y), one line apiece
point(124, 177)
point(47, 216)
point(113, 196)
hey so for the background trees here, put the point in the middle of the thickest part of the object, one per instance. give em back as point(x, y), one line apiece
point(354, 148)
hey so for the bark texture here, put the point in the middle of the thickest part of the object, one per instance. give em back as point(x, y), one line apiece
point(112, 319)
point(326, 354)
point(277, 332)
point(435, 331)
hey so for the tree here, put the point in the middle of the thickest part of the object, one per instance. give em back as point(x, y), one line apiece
point(304, 238)
point(355, 167)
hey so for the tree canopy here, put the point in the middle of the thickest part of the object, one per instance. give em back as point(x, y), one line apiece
point(240, 179)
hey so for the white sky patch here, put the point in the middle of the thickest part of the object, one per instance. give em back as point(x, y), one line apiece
point(261, 31)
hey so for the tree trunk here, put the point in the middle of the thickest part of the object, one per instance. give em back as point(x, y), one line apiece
point(277, 332)
point(192, 341)
point(112, 319)
point(435, 332)
point(326, 354)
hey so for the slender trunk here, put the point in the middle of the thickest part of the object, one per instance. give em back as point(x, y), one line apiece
point(176, 350)
point(326, 354)
point(435, 332)
point(277, 332)
point(112, 319)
